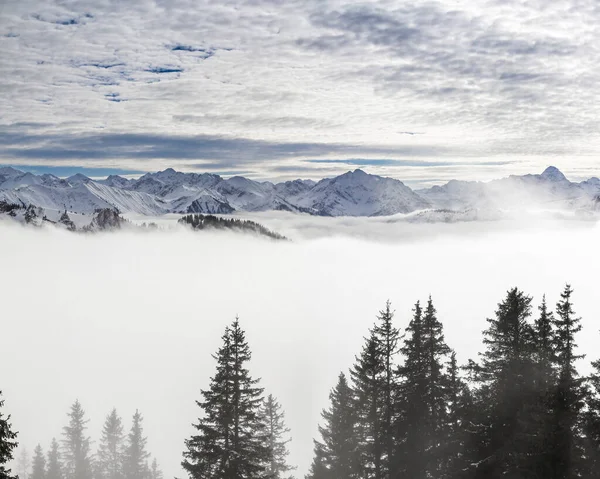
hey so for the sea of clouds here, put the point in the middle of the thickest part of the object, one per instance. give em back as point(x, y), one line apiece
point(131, 319)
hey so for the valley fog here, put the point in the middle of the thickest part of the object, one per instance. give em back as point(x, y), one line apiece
point(131, 319)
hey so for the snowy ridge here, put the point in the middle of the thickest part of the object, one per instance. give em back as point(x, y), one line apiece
point(354, 193)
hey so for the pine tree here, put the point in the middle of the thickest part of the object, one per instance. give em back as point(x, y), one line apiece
point(455, 449)
point(387, 337)
point(54, 467)
point(592, 422)
point(505, 393)
point(39, 464)
point(368, 382)
point(7, 442)
point(111, 449)
point(277, 433)
point(24, 464)
point(411, 405)
point(336, 453)
point(566, 448)
point(155, 472)
point(231, 439)
point(76, 445)
point(135, 457)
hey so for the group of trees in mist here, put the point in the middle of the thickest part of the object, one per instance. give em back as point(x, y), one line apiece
point(201, 222)
point(118, 455)
point(405, 410)
point(521, 411)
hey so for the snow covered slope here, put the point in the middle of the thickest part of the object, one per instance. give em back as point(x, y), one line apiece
point(354, 193)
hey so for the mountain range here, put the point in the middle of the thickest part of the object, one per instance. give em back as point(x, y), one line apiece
point(354, 193)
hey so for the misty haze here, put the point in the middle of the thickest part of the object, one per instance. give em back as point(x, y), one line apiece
point(299, 240)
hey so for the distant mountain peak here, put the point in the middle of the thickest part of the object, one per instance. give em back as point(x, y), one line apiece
point(554, 174)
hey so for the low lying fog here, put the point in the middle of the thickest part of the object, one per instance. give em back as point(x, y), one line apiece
point(131, 319)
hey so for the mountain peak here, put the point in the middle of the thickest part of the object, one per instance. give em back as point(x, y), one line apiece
point(554, 174)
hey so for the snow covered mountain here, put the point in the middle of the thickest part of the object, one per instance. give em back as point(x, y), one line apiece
point(354, 193)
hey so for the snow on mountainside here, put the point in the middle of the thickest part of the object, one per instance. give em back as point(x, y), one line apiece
point(354, 193)
point(358, 194)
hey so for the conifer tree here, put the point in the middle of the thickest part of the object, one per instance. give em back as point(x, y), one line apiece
point(336, 453)
point(387, 337)
point(54, 467)
point(155, 472)
point(592, 423)
point(411, 406)
point(368, 382)
point(505, 392)
point(7, 442)
point(38, 470)
point(24, 463)
point(423, 394)
point(455, 448)
point(111, 449)
point(231, 440)
point(135, 457)
point(76, 445)
point(566, 448)
point(277, 435)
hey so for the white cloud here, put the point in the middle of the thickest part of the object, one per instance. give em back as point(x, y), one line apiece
point(131, 320)
point(494, 81)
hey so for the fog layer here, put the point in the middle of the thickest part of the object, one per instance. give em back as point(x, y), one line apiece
point(131, 319)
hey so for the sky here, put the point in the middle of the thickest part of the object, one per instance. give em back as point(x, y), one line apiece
point(131, 320)
point(423, 91)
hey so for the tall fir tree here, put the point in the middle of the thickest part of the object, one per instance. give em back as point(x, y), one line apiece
point(592, 422)
point(38, 468)
point(455, 448)
point(505, 393)
point(336, 452)
point(76, 445)
point(387, 337)
point(423, 394)
point(231, 440)
point(369, 405)
point(7, 442)
point(135, 457)
point(541, 411)
point(155, 472)
point(111, 449)
point(411, 406)
point(54, 468)
point(566, 447)
point(24, 463)
point(277, 434)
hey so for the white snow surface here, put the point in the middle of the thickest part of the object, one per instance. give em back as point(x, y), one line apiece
point(354, 193)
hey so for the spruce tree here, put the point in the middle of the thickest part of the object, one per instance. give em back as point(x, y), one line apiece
point(155, 472)
point(455, 451)
point(111, 449)
point(7, 442)
point(231, 442)
point(54, 467)
point(277, 435)
point(505, 392)
point(368, 382)
point(76, 445)
point(336, 452)
point(411, 405)
point(38, 470)
point(135, 457)
point(568, 402)
point(592, 423)
point(387, 337)
point(24, 463)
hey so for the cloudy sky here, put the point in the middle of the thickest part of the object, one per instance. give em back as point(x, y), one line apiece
point(272, 89)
